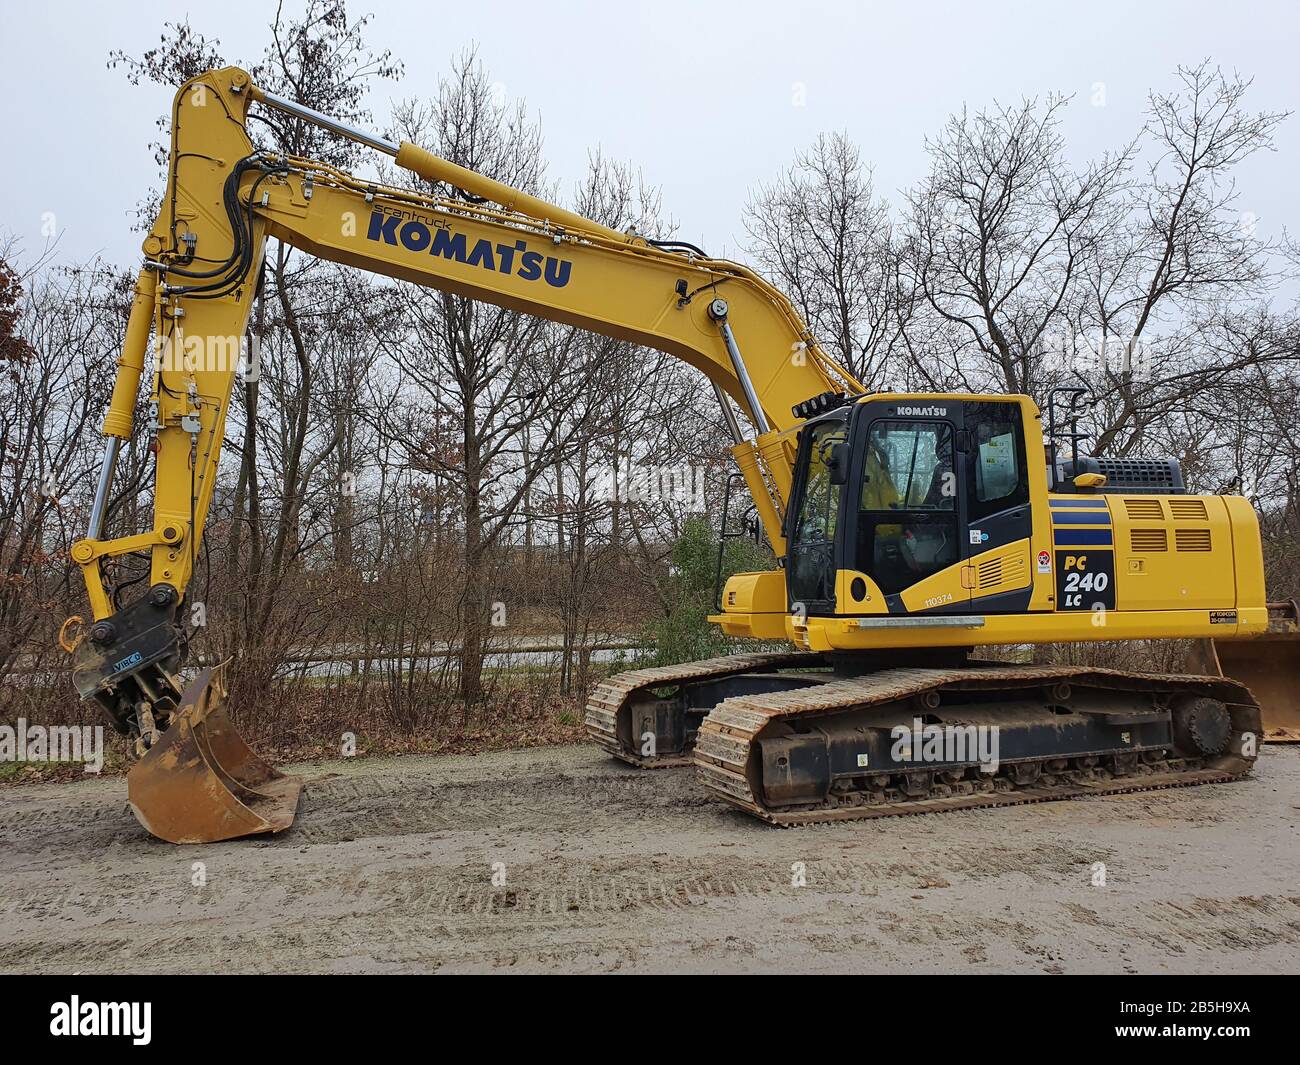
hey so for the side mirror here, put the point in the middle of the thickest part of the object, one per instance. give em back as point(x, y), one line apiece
point(837, 463)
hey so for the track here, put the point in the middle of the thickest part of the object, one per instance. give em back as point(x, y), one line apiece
point(725, 751)
point(612, 697)
point(731, 766)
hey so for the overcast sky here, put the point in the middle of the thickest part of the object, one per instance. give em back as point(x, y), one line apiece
point(703, 97)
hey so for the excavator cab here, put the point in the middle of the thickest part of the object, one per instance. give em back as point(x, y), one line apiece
point(902, 495)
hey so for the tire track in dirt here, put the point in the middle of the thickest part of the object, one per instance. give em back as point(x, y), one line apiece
point(390, 866)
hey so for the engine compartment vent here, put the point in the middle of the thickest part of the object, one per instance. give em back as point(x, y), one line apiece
point(1128, 476)
point(1148, 540)
point(1144, 510)
point(1188, 509)
point(989, 573)
point(1192, 539)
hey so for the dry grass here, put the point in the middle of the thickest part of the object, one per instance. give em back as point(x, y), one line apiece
point(300, 723)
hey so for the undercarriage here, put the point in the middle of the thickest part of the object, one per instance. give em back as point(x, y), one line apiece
point(802, 738)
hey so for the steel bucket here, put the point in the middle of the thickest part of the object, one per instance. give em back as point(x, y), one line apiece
point(201, 782)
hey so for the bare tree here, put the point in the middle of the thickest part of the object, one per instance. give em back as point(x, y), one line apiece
point(1170, 299)
point(59, 331)
point(488, 371)
point(821, 233)
point(998, 232)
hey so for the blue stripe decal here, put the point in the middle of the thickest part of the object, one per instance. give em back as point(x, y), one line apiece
point(1082, 537)
point(1090, 504)
point(1080, 517)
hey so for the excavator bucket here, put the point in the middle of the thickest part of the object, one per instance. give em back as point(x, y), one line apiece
point(1268, 664)
point(201, 782)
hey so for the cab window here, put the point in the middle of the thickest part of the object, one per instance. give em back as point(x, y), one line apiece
point(907, 527)
point(820, 509)
point(909, 467)
point(811, 563)
point(998, 480)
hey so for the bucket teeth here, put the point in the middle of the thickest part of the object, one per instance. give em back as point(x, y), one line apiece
point(201, 783)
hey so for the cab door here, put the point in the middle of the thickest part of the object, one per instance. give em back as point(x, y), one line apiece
point(910, 518)
point(811, 549)
point(999, 521)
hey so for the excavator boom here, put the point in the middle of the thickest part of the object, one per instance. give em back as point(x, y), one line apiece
point(223, 200)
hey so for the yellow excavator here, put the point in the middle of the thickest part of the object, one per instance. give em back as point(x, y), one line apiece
point(908, 529)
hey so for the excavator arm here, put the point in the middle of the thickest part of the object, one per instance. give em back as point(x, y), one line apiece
point(223, 199)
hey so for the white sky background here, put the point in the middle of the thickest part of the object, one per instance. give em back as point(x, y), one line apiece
point(699, 96)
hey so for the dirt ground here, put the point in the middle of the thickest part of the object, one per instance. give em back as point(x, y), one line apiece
point(390, 868)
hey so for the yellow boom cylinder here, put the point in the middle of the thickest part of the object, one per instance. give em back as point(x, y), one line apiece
point(432, 168)
point(130, 364)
